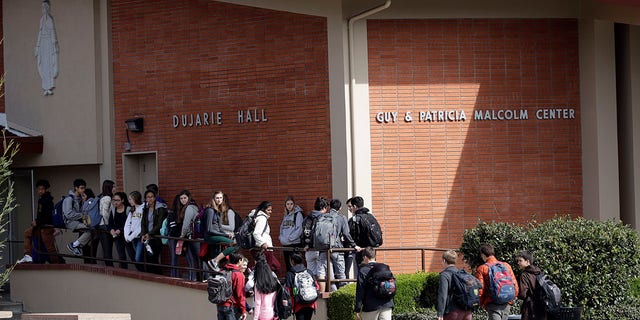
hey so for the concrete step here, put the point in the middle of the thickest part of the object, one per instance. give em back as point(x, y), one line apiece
point(14, 307)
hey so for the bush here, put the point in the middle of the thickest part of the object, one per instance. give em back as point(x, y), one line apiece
point(415, 291)
point(421, 314)
point(506, 238)
point(593, 262)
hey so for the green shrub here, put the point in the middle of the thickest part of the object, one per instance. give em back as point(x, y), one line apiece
point(420, 314)
point(342, 302)
point(415, 291)
point(593, 262)
point(506, 238)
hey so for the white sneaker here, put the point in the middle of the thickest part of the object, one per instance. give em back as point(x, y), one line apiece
point(26, 258)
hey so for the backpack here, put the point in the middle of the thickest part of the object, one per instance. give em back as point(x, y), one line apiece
point(198, 224)
point(549, 293)
point(91, 209)
point(219, 287)
point(304, 288)
point(283, 307)
point(501, 285)
point(244, 235)
point(369, 233)
point(164, 231)
point(307, 230)
point(57, 216)
point(324, 234)
point(465, 289)
point(381, 281)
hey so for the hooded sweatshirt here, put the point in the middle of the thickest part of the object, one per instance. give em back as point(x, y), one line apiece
point(45, 210)
point(133, 225)
point(262, 232)
point(291, 227)
point(531, 308)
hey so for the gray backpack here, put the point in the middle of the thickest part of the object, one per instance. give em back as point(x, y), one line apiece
point(324, 232)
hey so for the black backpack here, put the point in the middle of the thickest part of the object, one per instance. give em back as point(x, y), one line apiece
point(466, 289)
point(381, 281)
point(219, 287)
point(244, 235)
point(368, 231)
point(283, 307)
point(549, 293)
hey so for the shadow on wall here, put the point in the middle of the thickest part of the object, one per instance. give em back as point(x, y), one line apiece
point(495, 128)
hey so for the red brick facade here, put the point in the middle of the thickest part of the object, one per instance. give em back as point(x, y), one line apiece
point(433, 179)
point(190, 58)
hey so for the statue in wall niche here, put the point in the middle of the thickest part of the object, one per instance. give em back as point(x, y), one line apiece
point(46, 50)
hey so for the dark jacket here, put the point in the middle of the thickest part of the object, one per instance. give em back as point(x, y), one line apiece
point(117, 220)
point(175, 228)
point(445, 292)
point(532, 308)
point(159, 214)
point(214, 226)
point(366, 300)
point(289, 284)
point(45, 210)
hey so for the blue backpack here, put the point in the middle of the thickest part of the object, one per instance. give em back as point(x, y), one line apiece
point(92, 209)
point(501, 285)
point(57, 214)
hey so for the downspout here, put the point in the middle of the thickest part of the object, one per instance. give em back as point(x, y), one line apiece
point(352, 83)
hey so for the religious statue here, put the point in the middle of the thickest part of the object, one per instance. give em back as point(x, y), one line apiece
point(46, 50)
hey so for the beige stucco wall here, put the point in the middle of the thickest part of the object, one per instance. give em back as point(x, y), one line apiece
point(83, 291)
point(71, 119)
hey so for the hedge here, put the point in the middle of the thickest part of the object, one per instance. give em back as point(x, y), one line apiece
point(593, 262)
point(415, 292)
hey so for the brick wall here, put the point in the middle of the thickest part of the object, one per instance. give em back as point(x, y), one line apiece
point(434, 179)
point(194, 57)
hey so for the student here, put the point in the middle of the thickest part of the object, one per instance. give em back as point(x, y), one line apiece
point(175, 228)
point(89, 201)
point(291, 228)
point(368, 305)
point(235, 307)
point(320, 207)
point(133, 227)
point(341, 232)
point(153, 214)
point(216, 212)
point(262, 234)
point(349, 256)
point(117, 220)
point(106, 206)
point(301, 310)
point(361, 238)
point(494, 310)
point(447, 307)
point(186, 211)
point(265, 290)
point(42, 225)
point(72, 211)
point(531, 308)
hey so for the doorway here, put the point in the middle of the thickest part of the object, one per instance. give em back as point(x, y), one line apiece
point(139, 170)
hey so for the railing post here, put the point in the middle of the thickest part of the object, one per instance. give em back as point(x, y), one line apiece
point(327, 287)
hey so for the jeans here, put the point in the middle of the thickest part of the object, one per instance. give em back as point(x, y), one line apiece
point(139, 249)
point(337, 262)
point(174, 258)
point(120, 248)
point(192, 251)
point(312, 262)
point(106, 241)
point(227, 313)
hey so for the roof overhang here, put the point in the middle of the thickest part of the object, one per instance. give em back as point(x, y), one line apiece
point(29, 141)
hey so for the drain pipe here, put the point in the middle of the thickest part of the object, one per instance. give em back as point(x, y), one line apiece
point(352, 83)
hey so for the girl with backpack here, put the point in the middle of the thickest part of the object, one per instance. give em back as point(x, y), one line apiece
point(117, 219)
point(186, 211)
point(106, 240)
point(262, 234)
point(299, 289)
point(217, 213)
point(265, 290)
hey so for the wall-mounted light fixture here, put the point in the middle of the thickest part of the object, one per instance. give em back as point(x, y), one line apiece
point(133, 125)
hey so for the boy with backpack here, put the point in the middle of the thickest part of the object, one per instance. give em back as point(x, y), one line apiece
point(533, 305)
point(72, 211)
point(364, 228)
point(499, 287)
point(302, 287)
point(40, 231)
point(375, 289)
point(235, 307)
point(458, 290)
